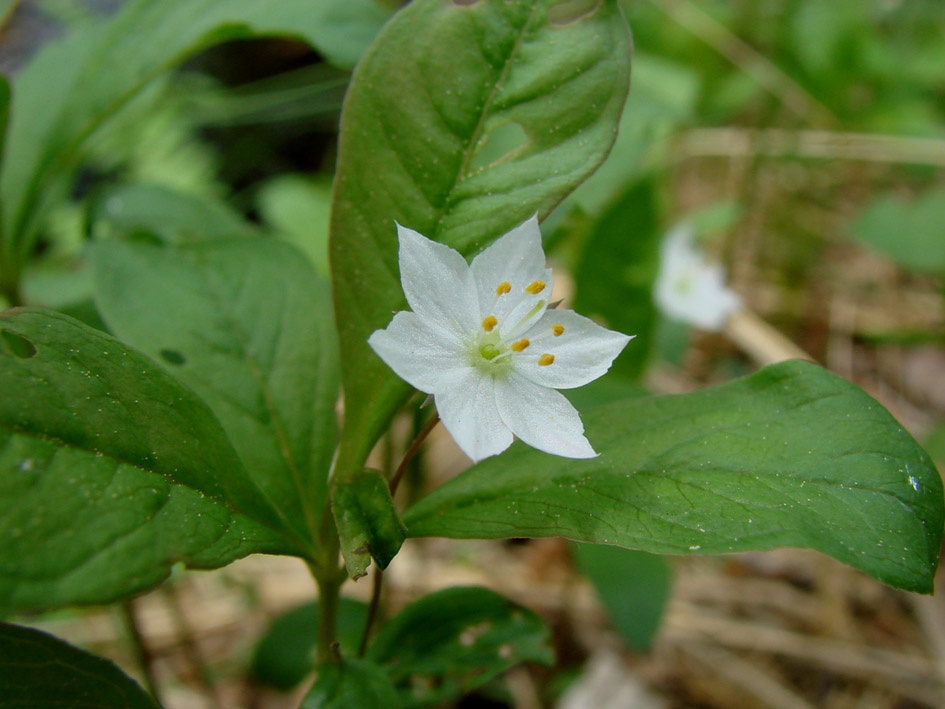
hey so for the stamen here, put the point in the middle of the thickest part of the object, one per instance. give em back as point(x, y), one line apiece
point(535, 288)
point(546, 359)
point(489, 323)
point(521, 345)
point(557, 329)
point(504, 287)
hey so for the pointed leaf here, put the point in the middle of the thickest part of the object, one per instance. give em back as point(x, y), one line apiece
point(791, 456)
point(367, 522)
point(110, 471)
point(450, 642)
point(632, 585)
point(425, 101)
point(247, 324)
point(37, 669)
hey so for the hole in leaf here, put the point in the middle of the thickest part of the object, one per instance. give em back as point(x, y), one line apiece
point(18, 346)
point(499, 143)
point(568, 11)
point(173, 357)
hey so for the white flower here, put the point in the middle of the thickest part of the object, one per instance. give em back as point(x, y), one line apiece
point(482, 340)
point(690, 288)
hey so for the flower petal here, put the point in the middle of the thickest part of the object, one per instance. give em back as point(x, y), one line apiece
point(425, 358)
point(437, 282)
point(517, 259)
point(541, 417)
point(467, 407)
point(582, 352)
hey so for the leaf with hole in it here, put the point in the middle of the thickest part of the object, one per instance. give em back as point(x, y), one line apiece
point(450, 642)
point(421, 113)
point(247, 324)
point(790, 456)
point(39, 670)
point(367, 522)
point(74, 85)
point(110, 471)
point(351, 683)
point(632, 585)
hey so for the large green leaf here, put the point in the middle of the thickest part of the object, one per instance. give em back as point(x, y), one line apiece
point(39, 670)
point(443, 79)
point(110, 471)
point(450, 642)
point(791, 456)
point(247, 324)
point(73, 86)
point(351, 683)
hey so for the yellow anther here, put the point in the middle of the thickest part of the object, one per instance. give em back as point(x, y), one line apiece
point(535, 288)
point(504, 287)
point(489, 323)
point(546, 359)
point(520, 345)
point(557, 329)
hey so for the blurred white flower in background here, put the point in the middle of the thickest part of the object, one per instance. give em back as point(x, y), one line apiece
point(689, 287)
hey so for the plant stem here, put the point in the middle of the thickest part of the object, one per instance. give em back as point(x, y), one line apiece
point(328, 588)
point(378, 572)
point(411, 452)
point(372, 610)
point(142, 652)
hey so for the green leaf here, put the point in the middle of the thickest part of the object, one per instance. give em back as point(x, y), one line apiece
point(285, 655)
point(75, 85)
point(367, 522)
point(909, 232)
point(247, 324)
point(298, 209)
point(110, 471)
point(450, 642)
point(173, 216)
point(37, 669)
point(424, 103)
point(632, 585)
point(791, 456)
point(614, 279)
point(351, 683)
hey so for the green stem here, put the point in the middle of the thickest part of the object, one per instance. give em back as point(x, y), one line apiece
point(140, 646)
point(328, 594)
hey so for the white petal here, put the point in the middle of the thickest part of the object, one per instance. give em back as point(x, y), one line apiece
point(437, 282)
point(467, 407)
point(541, 417)
point(518, 259)
point(425, 358)
point(689, 287)
point(583, 352)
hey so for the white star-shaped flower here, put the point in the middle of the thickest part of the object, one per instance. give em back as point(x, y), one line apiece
point(689, 287)
point(482, 340)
